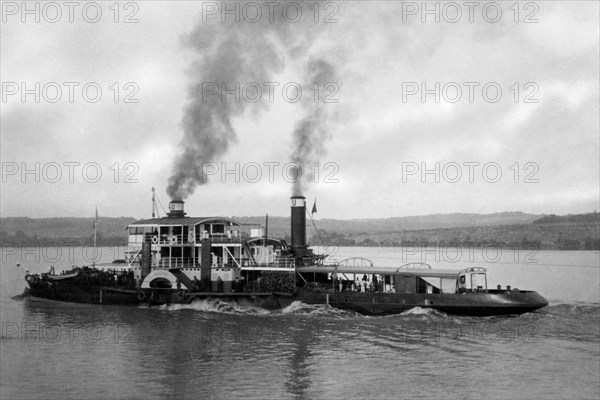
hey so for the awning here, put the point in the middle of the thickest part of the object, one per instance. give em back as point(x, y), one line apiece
point(343, 269)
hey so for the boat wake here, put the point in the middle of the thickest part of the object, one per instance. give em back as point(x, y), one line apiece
point(580, 308)
point(426, 313)
point(300, 308)
point(245, 307)
point(216, 306)
point(421, 311)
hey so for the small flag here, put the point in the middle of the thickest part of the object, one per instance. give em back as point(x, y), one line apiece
point(314, 209)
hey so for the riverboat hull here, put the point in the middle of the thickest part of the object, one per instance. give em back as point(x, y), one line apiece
point(75, 292)
point(467, 304)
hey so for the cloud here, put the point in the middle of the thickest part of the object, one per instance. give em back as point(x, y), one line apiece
point(374, 54)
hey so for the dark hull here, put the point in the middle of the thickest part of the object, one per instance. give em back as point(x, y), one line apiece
point(468, 304)
point(77, 293)
point(471, 304)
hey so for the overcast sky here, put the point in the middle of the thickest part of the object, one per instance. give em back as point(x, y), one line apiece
point(541, 133)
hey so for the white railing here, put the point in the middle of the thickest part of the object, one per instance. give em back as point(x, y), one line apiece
point(280, 263)
point(165, 239)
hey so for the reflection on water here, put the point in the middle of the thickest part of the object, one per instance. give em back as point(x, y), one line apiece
point(125, 352)
point(298, 381)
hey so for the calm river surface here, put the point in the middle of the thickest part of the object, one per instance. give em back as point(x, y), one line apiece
point(219, 350)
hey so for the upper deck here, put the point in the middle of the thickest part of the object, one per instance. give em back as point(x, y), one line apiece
point(189, 230)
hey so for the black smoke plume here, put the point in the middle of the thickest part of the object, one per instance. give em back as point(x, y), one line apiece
point(230, 53)
point(313, 130)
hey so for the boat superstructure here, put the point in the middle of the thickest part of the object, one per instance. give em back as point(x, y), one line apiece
point(214, 255)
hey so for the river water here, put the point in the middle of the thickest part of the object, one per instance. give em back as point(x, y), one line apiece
point(222, 351)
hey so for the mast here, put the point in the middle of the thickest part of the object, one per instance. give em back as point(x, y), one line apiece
point(95, 249)
point(153, 202)
point(266, 229)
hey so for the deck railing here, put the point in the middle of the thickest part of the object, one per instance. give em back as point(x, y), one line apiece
point(280, 263)
point(165, 239)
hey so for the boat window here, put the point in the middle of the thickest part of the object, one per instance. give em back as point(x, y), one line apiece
point(478, 281)
point(428, 285)
point(138, 230)
point(387, 286)
point(218, 228)
point(448, 285)
point(177, 232)
point(164, 232)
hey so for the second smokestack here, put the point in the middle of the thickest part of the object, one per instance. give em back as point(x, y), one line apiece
point(298, 222)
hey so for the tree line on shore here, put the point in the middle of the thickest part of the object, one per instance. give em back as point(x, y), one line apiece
point(570, 232)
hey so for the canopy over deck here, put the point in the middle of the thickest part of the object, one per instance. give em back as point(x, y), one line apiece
point(344, 269)
point(166, 221)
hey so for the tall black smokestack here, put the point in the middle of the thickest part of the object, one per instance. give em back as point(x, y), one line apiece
point(298, 224)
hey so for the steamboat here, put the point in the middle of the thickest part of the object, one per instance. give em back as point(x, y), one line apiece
point(181, 259)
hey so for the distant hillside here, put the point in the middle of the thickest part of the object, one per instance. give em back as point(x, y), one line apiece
point(49, 231)
point(539, 236)
point(112, 230)
point(281, 225)
point(507, 229)
point(57, 227)
point(571, 232)
point(591, 218)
